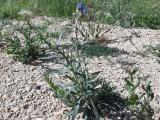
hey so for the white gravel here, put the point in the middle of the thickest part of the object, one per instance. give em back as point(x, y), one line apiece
point(24, 94)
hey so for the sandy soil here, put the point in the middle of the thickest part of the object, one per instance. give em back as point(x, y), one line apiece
point(24, 94)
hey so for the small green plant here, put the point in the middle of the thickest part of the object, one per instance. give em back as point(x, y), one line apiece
point(25, 44)
point(139, 101)
point(91, 32)
point(154, 50)
point(85, 89)
point(56, 34)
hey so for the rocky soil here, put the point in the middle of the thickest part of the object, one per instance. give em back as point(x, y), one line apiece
point(24, 94)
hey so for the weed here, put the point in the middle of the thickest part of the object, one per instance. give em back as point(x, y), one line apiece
point(139, 101)
point(56, 34)
point(84, 88)
point(154, 50)
point(25, 43)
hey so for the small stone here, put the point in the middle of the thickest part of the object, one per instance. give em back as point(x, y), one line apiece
point(32, 68)
point(19, 97)
point(30, 109)
point(15, 109)
point(38, 92)
point(13, 103)
point(44, 90)
point(10, 115)
point(4, 96)
point(28, 88)
point(118, 118)
point(26, 118)
point(39, 119)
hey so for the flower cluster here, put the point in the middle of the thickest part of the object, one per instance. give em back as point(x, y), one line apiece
point(81, 7)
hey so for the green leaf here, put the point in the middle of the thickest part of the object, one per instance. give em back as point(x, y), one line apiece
point(71, 78)
point(148, 86)
point(134, 71)
point(137, 84)
point(152, 96)
point(129, 83)
point(133, 99)
point(68, 114)
point(76, 109)
point(95, 74)
point(129, 89)
point(58, 90)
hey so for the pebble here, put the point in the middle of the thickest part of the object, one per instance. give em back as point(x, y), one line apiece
point(30, 109)
point(118, 118)
point(4, 96)
point(39, 119)
point(15, 109)
point(28, 88)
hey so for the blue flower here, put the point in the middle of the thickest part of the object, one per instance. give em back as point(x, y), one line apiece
point(82, 8)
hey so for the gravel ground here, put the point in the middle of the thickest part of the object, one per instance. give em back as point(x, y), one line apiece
point(24, 94)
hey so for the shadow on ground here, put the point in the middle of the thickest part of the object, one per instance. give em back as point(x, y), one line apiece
point(111, 107)
point(94, 49)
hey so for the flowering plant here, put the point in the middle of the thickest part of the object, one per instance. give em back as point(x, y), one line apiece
point(81, 7)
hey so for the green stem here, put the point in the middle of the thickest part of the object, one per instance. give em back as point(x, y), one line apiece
point(95, 110)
